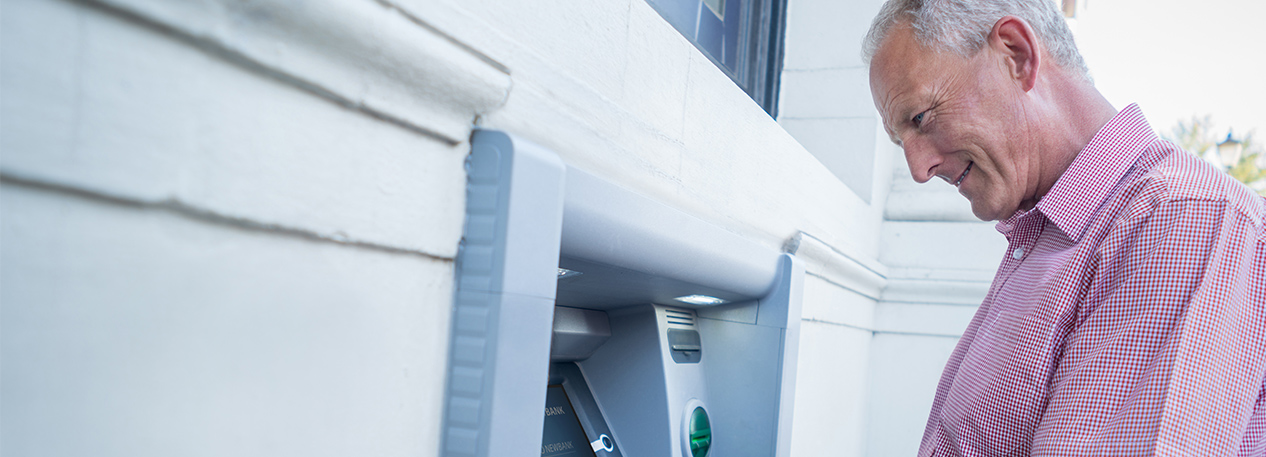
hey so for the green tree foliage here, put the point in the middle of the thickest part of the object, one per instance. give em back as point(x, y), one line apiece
point(1249, 170)
point(1194, 135)
point(1197, 136)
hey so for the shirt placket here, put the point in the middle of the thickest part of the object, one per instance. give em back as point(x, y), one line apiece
point(1020, 243)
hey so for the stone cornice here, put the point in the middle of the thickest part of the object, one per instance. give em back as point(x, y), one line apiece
point(367, 56)
point(837, 267)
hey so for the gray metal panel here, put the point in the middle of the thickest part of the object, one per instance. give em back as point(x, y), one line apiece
point(741, 312)
point(751, 383)
point(578, 333)
point(637, 252)
point(626, 376)
point(503, 309)
point(742, 380)
point(604, 286)
point(781, 308)
point(607, 224)
point(745, 377)
point(587, 411)
point(633, 250)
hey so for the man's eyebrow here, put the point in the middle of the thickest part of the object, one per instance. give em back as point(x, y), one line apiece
point(891, 136)
point(891, 130)
point(888, 129)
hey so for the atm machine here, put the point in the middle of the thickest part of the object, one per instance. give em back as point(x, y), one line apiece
point(592, 321)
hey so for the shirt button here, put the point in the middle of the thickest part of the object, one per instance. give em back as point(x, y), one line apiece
point(1017, 253)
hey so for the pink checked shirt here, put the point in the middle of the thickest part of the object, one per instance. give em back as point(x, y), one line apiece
point(1128, 316)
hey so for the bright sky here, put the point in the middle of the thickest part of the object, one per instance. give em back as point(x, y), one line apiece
point(1178, 58)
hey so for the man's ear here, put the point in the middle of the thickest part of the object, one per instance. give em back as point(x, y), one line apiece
point(1016, 41)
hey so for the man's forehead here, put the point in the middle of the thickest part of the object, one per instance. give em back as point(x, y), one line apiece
point(894, 74)
point(900, 47)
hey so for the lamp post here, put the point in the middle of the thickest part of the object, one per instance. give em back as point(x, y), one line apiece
point(1229, 151)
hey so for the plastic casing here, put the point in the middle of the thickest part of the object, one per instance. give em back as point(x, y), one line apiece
point(528, 213)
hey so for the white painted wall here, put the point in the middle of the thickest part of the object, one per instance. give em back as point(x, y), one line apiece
point(132, 330)
point(212, 242)
point(229, 228)
point(825, 101)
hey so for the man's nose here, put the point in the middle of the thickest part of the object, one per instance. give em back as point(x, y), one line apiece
point(922, 158)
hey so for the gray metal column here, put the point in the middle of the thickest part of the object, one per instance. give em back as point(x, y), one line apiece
point(504, 304)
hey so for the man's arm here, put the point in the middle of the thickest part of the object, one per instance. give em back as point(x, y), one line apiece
point(1167, 355)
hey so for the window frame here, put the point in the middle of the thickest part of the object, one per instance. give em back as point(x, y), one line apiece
point(759, 57)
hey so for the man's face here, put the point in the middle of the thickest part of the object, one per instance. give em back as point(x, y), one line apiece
point(960, 119)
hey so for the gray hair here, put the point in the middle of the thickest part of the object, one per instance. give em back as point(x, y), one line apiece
point(962, 26)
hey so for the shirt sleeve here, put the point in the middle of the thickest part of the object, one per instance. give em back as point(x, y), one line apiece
point(1166, 355)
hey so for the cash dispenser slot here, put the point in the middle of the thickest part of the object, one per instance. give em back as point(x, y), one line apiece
point(577, 333)
point(574, 425)
point(590, 320)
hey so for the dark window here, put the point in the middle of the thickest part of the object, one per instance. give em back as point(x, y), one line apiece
point(742, 37)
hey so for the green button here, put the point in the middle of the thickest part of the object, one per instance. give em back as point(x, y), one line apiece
point(700, 433)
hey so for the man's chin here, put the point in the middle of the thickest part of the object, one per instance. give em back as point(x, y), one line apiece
point(987, 213)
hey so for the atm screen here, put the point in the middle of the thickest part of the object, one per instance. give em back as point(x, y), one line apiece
point(563, 434)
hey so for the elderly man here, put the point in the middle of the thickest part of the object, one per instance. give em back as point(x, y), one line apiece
point(1128, 316)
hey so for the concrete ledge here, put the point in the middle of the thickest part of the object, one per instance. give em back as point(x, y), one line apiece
point(929, 205)
point(837, 267)
point(366, 55)
point(940, 292)
point(933, 320)
point(938, 245)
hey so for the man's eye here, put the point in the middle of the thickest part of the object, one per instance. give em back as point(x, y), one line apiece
point(918, 119)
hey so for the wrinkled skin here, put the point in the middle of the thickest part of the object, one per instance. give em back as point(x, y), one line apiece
point(950, 113)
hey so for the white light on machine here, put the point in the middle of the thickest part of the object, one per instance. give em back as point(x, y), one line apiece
point(565, 273)
point(702, 300)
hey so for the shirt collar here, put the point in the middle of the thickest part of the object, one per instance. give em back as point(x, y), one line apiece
point(1083, 187)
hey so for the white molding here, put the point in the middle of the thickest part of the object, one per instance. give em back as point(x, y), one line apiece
point(910, 201)
point(922, 320)
point(866, 277)
point(368, 56)
point(928, 205)
point(939, 292)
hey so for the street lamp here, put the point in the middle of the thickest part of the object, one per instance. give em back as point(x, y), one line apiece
point(1229, 151)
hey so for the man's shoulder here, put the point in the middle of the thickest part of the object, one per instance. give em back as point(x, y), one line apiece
point(1179, 176)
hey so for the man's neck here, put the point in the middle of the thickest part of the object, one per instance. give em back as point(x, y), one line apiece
point(1076, 112)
